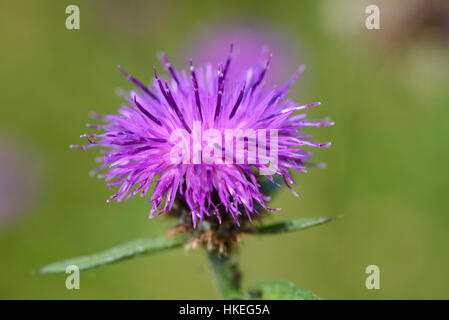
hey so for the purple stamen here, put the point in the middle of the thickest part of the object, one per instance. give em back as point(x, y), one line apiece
point(238, 102)
point(287, 110)
point(176, 108)
point(171, 101)
point(139, 84)
point(196, 89)
point(169, 68)
point(287, 84)
point(228, 61)
point(261, 75)
point(145, 112)
point(140, 149)
point(220, 91)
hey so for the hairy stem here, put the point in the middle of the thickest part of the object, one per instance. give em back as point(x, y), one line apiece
point(226, 274)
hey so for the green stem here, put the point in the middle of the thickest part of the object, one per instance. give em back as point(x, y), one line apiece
point(226, 274)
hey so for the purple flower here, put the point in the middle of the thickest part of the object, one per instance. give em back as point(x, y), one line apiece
point(201, 136)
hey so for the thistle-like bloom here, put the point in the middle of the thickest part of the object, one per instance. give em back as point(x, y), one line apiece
point(204, 102)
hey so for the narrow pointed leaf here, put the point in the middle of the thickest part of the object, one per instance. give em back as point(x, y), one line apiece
point(279, 290)
point(121, 252)
point(292, 225)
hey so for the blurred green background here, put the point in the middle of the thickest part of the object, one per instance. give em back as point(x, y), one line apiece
point(387, 90)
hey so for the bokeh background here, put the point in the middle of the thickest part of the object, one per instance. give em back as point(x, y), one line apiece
point(387, 176)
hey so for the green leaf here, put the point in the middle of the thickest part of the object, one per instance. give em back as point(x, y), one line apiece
point(292, 225)
point(279, 290)
point(124, 251)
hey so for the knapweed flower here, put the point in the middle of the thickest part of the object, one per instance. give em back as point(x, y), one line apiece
point(204, 136)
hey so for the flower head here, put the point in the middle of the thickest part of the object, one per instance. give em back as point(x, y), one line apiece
point(201, 136)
